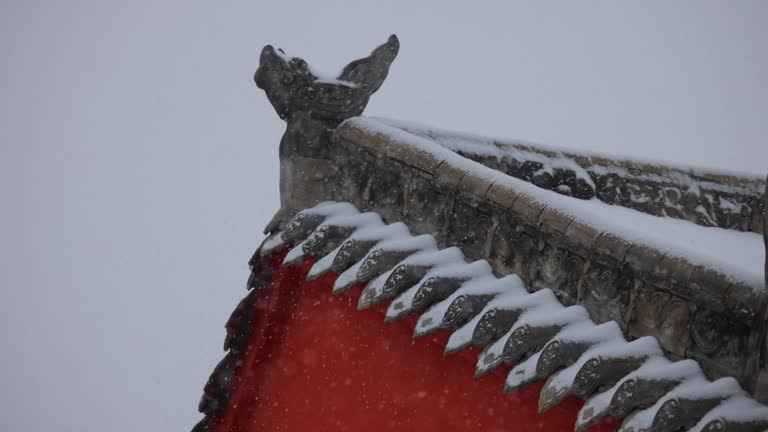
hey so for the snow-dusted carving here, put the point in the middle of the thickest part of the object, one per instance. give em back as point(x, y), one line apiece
point(602, 364)
point(687, 406)
point(600, 283)
point(706, 329)
point(437, 284)
point(312, 104)
point(573, 341)
point(662, 315)
point(529, 336)
point(737, 414)
point(512, 247)
point(359, 243)
point(604, 290)
point(558, 269)
point(304, 222)
point(524, 252)
point(499, 316)
point(605, 369)
point(331, 233)
point(468, 232)
point(406, 274)
point(637, 390)
point(381, 258)
point(471, 298)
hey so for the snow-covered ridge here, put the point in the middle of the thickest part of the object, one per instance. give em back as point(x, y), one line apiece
point(574, 354)
point(491, 146)
point(738, 256)
point(703, 196)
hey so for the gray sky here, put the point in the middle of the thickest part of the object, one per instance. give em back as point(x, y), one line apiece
point(138, 162)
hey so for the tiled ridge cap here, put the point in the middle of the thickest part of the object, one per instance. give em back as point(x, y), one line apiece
point(747, 181)
point(448, 169)
point(624, 379)
point(704, 196)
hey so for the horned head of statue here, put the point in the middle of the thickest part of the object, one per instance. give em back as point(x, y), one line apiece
point(292, 86)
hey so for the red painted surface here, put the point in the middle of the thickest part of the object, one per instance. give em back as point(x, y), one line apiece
point(315, 363)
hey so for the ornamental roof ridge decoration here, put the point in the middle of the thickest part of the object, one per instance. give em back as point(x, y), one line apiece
point(626, 379)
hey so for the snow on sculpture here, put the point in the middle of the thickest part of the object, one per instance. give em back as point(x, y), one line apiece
point(313, 104)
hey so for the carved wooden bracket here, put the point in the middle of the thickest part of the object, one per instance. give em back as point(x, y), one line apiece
point(313, 105)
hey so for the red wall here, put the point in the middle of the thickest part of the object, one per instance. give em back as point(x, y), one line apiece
point(315, 363)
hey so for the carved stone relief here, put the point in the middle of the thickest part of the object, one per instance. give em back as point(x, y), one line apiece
point(384, 189)
point(604, 292)
point(312, 105)
point(656, 313)
point(722, 345)
point(426, 210)
point(557, 268)
point(468, 227)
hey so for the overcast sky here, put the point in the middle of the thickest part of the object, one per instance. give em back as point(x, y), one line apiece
point(138, 162)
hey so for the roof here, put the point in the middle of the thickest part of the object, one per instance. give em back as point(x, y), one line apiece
point(531, 333)
point(637, 285)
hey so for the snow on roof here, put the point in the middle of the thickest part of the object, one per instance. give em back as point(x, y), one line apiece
point(584, 342)
point(494, 146)
point(483, 285)
point(740, 256)
point(696, 388)
point(735, 409)
point(409, 243)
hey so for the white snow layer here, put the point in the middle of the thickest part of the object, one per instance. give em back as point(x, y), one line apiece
point(320, 77)
point(737, 408)
point(697, 387)
point(473, 270)
point(484, 285)
point(738, 255)
point(523, 372)
point(435, 258)
point(543, 315)
point(421, 243)
point(451, 255)
point(324, 264)
point(512, 300)
point(368, 220)
point(655, 368)
point(331, 208)
point(484, 145)
point(590, 332)
point(272, 243)
point(396, 230)
point(615, 348)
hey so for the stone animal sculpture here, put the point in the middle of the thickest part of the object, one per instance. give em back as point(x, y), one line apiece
point(313, 105)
